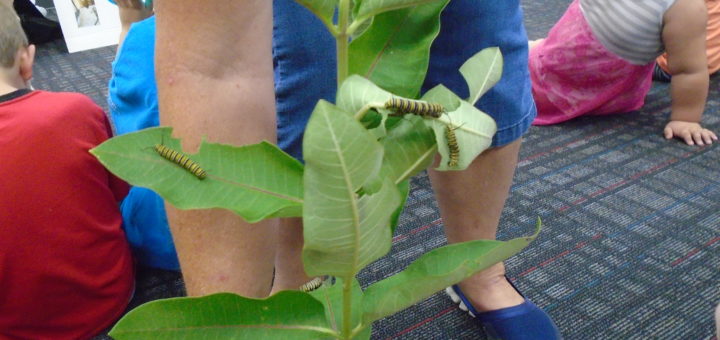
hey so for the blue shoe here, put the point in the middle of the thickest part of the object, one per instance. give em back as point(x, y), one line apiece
point(525, 321)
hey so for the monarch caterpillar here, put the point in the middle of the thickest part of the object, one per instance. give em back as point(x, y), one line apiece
point(181, 159)
point(312, 285)
point(453, 146)
point(418, 107)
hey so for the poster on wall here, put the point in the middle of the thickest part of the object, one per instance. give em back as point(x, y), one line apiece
point(88, 24)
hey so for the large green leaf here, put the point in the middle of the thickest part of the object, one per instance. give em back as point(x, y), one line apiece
point(482, 71)
point(434, 271)
point(343, 232)
point(473, 129)
point(287, 315)
point(255, 181)
point(323, 9)
point(331, 296)
point(394, 51)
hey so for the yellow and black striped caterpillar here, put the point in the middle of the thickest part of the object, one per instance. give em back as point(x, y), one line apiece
point(453, 146)
point(418, 107)
point(312, 285)
point(181, 159)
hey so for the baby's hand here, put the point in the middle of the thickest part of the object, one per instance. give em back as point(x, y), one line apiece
point(692, 133)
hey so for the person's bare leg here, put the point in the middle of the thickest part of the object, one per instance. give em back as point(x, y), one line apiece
point(212, 87)
point(471, 202)
point(289, 270)
point(213, 246)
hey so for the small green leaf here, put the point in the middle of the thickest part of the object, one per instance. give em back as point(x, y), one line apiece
point(343, 232)
point(323, 9)
point(357, 92)
point(482, 71)
point(287, 315)
point(331, 296)
point(409, 148)
point(394, 52)
point(434, 271)
point(404, 189)
point(255, 181)
point(473, 129)
point(371, 8)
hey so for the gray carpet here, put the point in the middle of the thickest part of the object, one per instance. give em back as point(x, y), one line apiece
point(631, 244)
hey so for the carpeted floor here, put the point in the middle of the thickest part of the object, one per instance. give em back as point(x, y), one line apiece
point(631, 243)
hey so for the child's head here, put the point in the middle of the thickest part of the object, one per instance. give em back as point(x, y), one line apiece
point(16, 55)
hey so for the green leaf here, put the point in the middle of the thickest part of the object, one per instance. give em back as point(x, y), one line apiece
point(287, 315)
point(404, 189)
point(343, 232)
point(482, 71)
point(434, 271)
point(372, 8)
point(331, 296)
point(473, 129)
point(255, 181)
point(394, 52)
point(358, 94)
point(323, 9)
point(409, 148)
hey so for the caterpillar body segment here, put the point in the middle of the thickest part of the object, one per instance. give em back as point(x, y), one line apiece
point(311, 285)
point(418, 107)
point(182, 160)
point(453, 146)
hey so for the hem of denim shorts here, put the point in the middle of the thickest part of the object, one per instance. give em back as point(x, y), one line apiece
point(514, 132)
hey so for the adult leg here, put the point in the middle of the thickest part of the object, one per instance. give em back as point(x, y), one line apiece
point(304, 63)
point(471, 203)
point(289, 270)
point(212, 86)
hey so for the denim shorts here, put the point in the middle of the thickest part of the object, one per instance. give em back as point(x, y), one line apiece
point(304, 60)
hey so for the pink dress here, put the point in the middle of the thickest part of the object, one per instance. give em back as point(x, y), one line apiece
point(573, 74)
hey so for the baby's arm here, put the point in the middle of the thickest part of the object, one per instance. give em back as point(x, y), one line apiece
point(684, 38)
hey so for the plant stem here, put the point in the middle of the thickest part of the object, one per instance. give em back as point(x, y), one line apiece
point(342, 41)
point(347, 308)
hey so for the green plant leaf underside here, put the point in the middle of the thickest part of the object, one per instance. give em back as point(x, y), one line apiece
point(482, 71)
point(343, 232)
point(473, 129)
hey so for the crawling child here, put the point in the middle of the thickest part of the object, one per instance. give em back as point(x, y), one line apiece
point(599, 58)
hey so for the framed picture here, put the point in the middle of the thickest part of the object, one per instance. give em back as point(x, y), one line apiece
point(88, 24)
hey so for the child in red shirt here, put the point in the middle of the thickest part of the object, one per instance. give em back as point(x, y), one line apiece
point(65, 265)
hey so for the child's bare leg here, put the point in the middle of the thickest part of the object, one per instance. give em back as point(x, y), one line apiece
point(471, 202)
point(289, 271)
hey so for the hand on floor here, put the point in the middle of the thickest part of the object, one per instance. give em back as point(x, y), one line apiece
point(691, 133)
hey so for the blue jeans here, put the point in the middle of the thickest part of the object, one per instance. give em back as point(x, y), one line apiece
point(304, 59)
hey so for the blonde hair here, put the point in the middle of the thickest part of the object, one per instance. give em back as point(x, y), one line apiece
point(12, 36)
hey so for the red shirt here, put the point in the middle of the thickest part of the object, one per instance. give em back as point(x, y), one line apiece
point(65, 265)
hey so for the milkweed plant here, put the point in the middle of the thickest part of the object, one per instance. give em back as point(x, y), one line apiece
point(349, 208)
